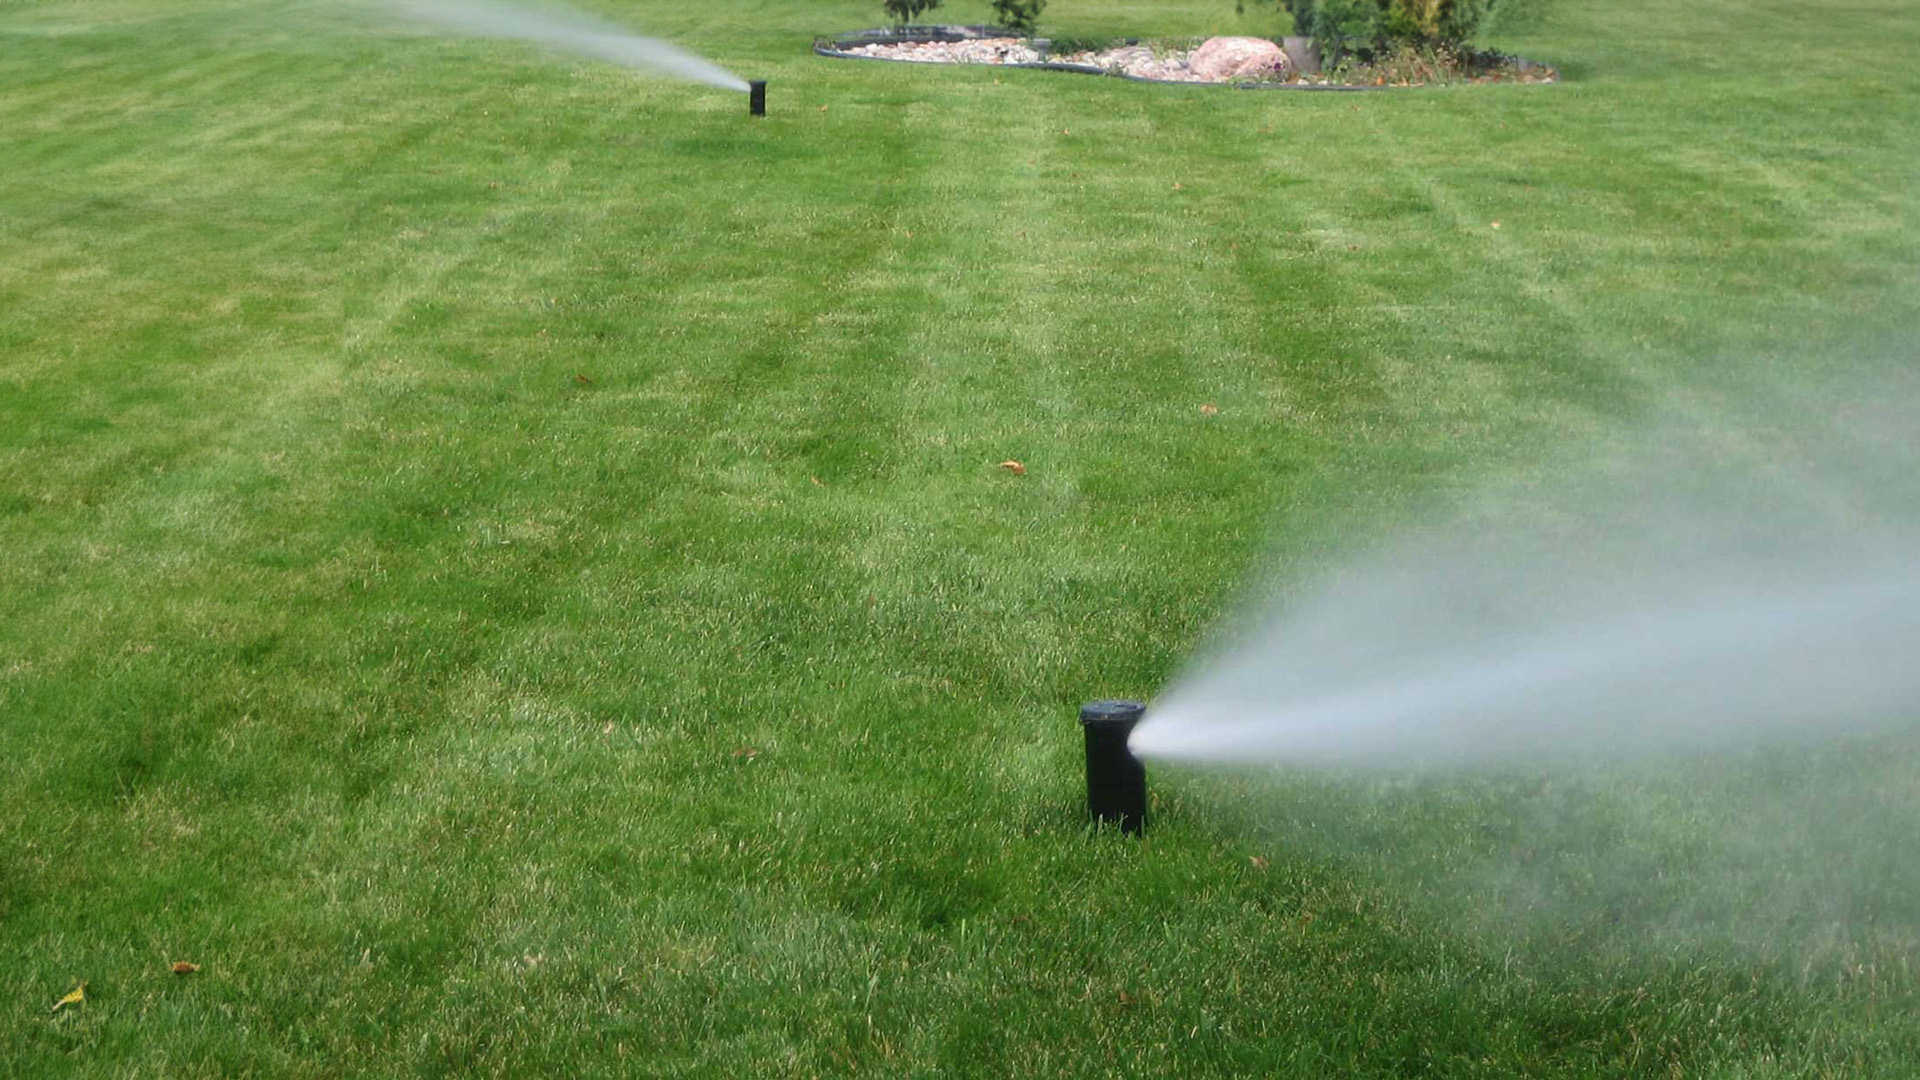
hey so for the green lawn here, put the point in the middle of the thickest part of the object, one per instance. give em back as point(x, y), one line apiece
point(503, 564)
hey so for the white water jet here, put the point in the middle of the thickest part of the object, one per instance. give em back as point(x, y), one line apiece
point(1636, 624)
point(569, 31)
point(1705, 670)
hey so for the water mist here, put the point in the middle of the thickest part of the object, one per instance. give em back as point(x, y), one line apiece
point(1658, 604)
point(1662, 694)
point(569, 31)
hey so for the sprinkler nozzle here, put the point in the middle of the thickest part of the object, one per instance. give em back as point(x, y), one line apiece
point(757, 97)
point(1116, 780)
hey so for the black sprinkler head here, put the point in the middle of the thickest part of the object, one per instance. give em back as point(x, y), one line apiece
point(1116, 780)
point(757, 97)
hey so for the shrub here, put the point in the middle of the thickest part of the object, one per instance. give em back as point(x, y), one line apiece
point(905, 11)
point(1336, 23)
point(1021, 15)
point(1403, 64)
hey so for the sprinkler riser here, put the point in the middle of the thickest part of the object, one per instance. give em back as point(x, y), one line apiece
point(1116, 780)
point(757, 97)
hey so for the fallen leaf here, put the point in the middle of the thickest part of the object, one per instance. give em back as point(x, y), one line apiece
point(823, 108)
point(608, 730)
point(1259, 862)
point(1209, 409)
point(1496, 224)
point(582, 379)
point(816, 481)
point(1178, 186)
point(1126, 1000)
point(1013, 467)
point(79, 995)
point(1064, 131)
point(745, 753)
point(185, 967)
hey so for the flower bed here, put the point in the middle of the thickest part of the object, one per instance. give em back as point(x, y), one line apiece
point(1245, 62)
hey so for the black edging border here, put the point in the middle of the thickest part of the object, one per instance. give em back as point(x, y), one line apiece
point(881, 36)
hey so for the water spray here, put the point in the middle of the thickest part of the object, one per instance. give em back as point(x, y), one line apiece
point(558, 27)
point(757, 97)
point(1116, 780)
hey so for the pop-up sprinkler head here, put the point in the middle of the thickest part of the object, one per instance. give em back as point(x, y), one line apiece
point(1116, 781)
point(757, 97)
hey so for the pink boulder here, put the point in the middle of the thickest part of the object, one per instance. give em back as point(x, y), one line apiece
point(1236, 58)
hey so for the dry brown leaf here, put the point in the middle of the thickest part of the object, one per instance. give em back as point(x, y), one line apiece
point(185, 967)
point(1178, 186)
point(582, 379)
point(1496, 224)
point(79, 995)
point(745, 753)
point(1209, 409)
point(1013, 467)
point(1259, 862)
point(816, 481)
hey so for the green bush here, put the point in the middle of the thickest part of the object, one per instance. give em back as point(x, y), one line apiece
point(905, 11)
point(1335, 24)
point(1021, 15)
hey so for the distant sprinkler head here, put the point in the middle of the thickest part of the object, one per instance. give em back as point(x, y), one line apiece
point(757, 97)
point(1116, 780)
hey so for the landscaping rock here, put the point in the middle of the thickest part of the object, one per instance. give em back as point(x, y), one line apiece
point(1223, 58)
point(981, 51)
point(1138, 61)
